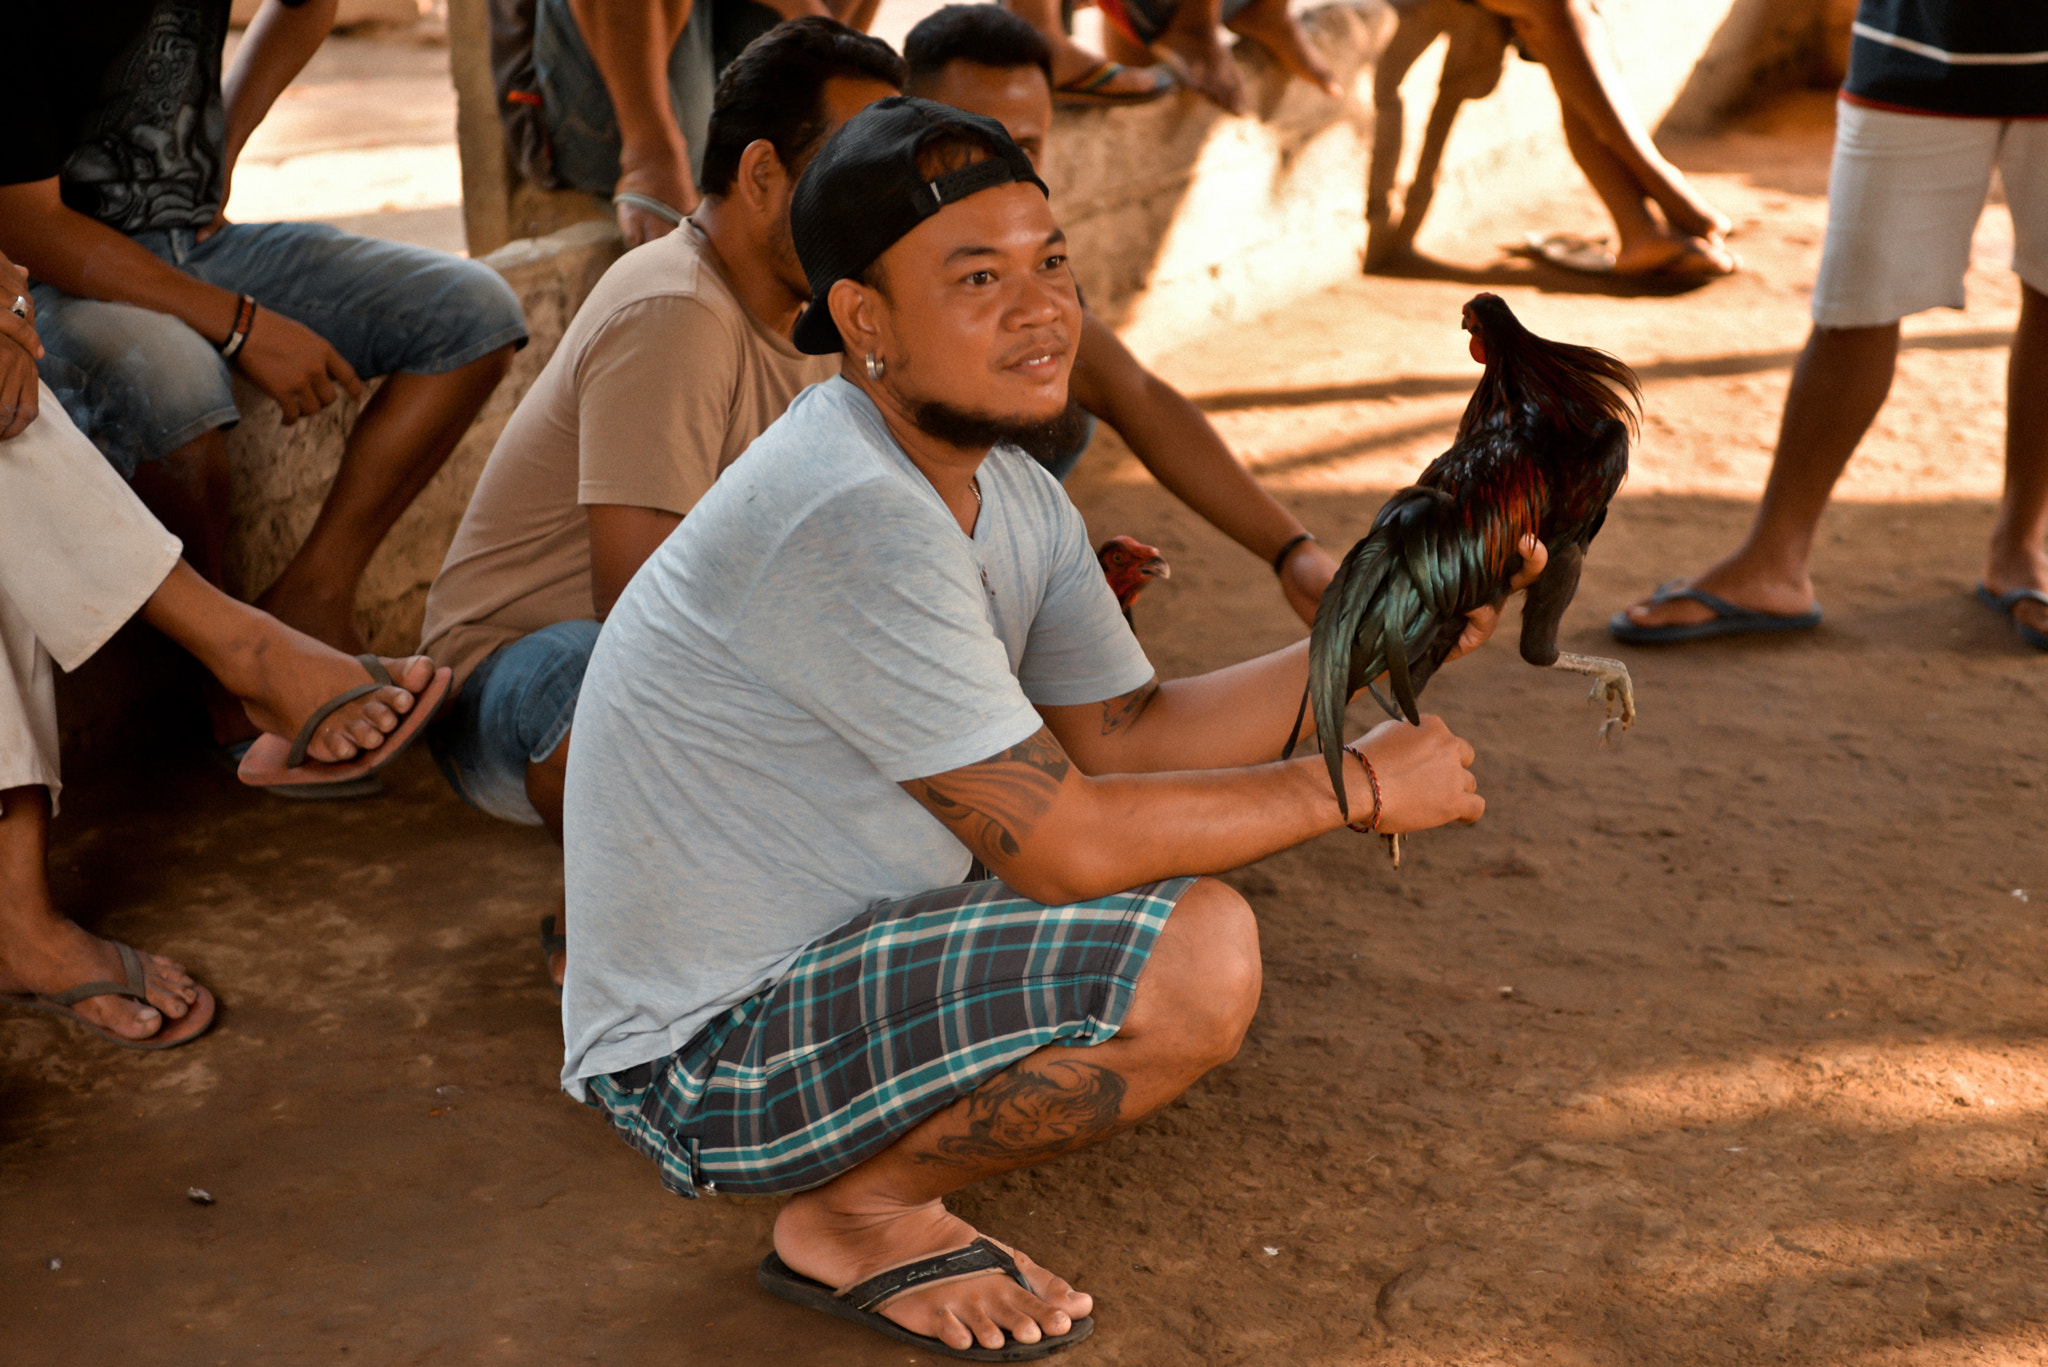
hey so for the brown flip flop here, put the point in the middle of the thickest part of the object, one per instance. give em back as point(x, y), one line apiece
point(189, 1026)
point(274, 762)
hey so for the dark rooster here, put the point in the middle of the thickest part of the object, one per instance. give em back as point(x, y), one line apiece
point(1129, 564)
point(1542, 448)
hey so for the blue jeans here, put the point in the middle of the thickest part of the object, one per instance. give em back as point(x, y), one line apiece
point(514, 710)
point(141, 384)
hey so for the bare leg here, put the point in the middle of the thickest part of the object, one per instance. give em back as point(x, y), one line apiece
point(1193, 1003)
point(1568, 37)
point(1071, 61)
point(43, 951)
point(1644, 244)
point(1268, 23)
point(279, 675)
point(2016, 559)
point(1193, 40)
point(544, 784)
point(1841, 381)
point(400, 440)
point(188, 492)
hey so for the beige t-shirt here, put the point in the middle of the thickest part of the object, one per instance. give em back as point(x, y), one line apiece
point(662, 379)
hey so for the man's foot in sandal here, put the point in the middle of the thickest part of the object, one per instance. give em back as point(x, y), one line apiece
point(387, 717)
point(45, 958)
point(2025, 607)
point(1113, 83)
point(1679, 612)
point(972, 1311)
point(1675, 258)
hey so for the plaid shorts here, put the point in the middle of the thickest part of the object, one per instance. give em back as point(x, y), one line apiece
point(892, 1017)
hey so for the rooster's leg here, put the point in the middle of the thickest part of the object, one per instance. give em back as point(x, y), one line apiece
point(1611, 684)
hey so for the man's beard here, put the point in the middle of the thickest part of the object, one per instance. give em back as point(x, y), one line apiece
point(972, 431)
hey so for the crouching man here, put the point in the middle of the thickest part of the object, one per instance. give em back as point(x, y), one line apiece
point(878, 651)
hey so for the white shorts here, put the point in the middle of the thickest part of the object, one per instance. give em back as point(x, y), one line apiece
point(1904, 196)
point(79, 555)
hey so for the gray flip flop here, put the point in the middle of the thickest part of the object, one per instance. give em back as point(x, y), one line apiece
point(858, 1302)
point(1729, 619)
point(135, 989)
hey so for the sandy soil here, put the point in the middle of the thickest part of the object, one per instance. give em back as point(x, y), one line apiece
point(1724, 1045)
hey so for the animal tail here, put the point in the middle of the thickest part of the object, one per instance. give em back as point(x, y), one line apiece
point(1381, 606)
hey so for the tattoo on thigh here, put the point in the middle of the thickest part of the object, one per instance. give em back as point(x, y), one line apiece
point(1118, 713)
point(1028, 1114)
point(993, 805)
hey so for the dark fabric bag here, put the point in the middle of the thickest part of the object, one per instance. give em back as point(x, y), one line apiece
point(518, 91)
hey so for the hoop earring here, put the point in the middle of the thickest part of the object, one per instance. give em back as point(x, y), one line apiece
point(876, 365)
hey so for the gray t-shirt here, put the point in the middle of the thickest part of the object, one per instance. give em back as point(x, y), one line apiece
point(817, 631)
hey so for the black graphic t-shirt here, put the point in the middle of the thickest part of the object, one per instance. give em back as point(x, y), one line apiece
point(121, 98)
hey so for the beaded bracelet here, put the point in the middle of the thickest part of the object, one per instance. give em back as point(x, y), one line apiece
point(1280, 560)
point(245, 318)
point(1367, 828)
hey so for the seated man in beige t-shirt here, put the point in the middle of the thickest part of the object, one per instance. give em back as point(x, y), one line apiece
point(679, 358)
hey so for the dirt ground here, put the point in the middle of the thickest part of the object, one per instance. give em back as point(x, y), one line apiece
point(1724, 1045)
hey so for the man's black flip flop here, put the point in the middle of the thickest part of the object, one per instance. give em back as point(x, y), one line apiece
point(857, 1303)
point(1729, 619)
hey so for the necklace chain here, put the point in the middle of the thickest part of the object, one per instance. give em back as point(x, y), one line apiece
point(974, 483)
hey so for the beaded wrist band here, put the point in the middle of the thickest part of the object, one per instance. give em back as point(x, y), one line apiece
point(1366, 827)
point(245, 318)
point(1280, 560)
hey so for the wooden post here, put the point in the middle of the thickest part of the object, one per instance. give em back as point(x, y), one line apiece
point(479, 138)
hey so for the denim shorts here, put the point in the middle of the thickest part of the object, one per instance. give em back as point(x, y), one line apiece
point(583, 130)
point(514, 710)
point(141, 384)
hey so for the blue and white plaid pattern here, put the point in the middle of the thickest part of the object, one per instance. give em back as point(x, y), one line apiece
point(895, 1015)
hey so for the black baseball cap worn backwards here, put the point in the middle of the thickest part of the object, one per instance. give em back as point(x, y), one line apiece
point(862, 193)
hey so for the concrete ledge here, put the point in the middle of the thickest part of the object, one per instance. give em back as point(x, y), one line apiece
point(281, 473)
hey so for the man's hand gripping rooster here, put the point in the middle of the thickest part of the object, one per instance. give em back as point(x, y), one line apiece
point(1542, 448)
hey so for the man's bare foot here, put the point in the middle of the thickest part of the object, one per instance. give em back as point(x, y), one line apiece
point(48, 954)
point(1734, 581)
point(1268, 23)
point(2022, 569)
point(1197, 50)
point(841, 1247)
point(323, 615)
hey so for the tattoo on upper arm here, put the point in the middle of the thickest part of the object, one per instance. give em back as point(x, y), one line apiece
point(1029, 1114)
point(1121, 712)
point(993, 805)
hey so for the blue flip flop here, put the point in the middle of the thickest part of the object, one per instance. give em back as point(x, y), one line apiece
point(2006, 602)
point(1728, 620)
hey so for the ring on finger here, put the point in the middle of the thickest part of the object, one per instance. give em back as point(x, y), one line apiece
point(19, 308)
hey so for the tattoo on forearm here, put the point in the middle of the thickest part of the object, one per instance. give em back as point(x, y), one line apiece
point(1118, 713)
point(1026, 1115)
point(993, 805)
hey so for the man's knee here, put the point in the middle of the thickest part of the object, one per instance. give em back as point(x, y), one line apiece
point(1204, 976)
